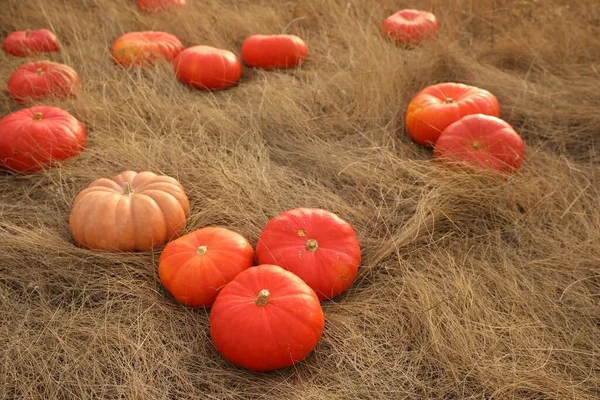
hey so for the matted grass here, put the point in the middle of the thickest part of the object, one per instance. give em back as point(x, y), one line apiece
point(471, 287)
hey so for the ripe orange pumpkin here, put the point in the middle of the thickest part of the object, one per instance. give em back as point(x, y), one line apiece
point(207, 68)
point(195, 267)
point(145, 48)
point(43, 80)
point(156, 6)
point(437, 106)
point(130, 212)
point(317, 245)
point(30, 42)
point(266, 318)
point(483, 141)
point(33, 138)
point(410, 27)
point(273, 51)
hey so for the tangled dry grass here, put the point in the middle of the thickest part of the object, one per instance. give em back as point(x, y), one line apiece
point(471, 287)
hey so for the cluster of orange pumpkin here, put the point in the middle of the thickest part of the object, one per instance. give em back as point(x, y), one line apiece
point(265, 317)
point(462, 124)
point(33, 138)
point(261, 318)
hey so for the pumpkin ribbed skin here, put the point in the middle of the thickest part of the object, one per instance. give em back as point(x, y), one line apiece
point(439, 105)
point(34, 138)
point(410, 27)
point(136, 49)
point(42, 80)
point(196, 266)
point(266, 318)
point(130, 212)
point(30, 42)
point(483, 141)
point(207, 68)
point(314, 244)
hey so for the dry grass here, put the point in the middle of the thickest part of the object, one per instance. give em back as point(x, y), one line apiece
point(471, 287)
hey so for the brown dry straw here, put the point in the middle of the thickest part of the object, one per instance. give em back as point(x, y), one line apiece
point(471, 287)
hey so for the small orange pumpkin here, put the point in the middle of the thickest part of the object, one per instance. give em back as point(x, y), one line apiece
point(130, 212)
point(196, 266)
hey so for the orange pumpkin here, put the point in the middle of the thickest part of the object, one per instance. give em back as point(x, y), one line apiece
point(130, 212)
point(42, 80)
point(30, 42)
point(195, 267)
point(273, 51)
point(410, 27)
point(158, 6)
point(265, 319)
point(207, 68)
point(145, 48)
point(439, 105)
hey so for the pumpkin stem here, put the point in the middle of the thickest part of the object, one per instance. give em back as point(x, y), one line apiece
point(39, 71)
point(312, 245)
point(263, 298)
point(128, 191)
point(37, 116)
point(476, 144)
point(449, 100)
point(27, 33)
point(201, 250)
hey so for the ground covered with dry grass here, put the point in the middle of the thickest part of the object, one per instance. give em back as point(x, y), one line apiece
point(471, 287)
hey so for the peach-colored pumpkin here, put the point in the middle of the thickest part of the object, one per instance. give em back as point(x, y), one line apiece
point(130, 212)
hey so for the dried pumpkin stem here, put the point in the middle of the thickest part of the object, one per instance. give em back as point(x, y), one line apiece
point(449, 100)
point(37, 116)
point(39, 71)
point(27, 33)
point(201, 250)
point(312, 245)
point(128, 191)
point(263, 298)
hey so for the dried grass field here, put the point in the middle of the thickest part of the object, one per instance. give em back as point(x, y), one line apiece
point(470, 286)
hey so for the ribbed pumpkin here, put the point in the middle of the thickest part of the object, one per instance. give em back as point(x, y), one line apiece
point(35, 138)
point(30, 42)
point(136, 49)
point(410, 27)
point(316, 245)
point(130, 212)
point(439, 105)
point(482, 141)
point(43, 80)
point(266, 318)
point(196, 266)
point(207, 68)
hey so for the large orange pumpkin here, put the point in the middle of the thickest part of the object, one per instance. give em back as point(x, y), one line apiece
point(130, 212)
point(266, 318)
point(41, 80)
point(437, 106)
point(195, 267)
point(145, 48)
